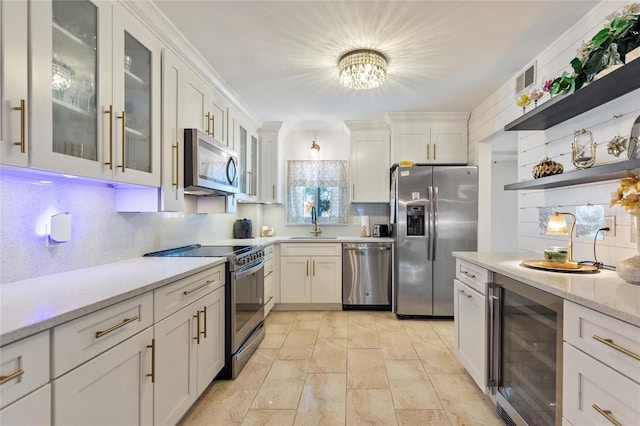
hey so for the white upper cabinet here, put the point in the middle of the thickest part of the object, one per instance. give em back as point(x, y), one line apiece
point(429, 138)
point(194, 101)
point(247, 149)
point(217, 111)
point(269, 171)
point(95, 92)
point(369, 161)
point(14, 87)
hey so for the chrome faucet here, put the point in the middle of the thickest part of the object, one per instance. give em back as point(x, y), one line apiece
point(314, 220)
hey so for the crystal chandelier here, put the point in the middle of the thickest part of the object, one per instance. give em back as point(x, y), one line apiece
point(362, 69)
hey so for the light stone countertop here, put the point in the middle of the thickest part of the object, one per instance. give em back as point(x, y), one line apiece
point(604, 291)
point(36, 304)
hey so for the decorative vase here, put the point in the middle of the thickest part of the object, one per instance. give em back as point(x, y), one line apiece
point(629, 269)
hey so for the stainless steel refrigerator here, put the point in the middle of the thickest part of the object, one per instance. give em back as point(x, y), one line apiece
point(434, 211)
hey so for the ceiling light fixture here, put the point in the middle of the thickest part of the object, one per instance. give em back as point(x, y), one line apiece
point(315, 146)
point(362, 69)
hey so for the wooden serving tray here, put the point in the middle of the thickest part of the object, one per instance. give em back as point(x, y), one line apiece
point(568, 267)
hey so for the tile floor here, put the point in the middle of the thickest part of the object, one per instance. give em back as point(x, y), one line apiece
point(348, 367)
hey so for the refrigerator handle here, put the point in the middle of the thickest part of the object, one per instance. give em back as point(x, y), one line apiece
point(429, 225)
point(434, 201)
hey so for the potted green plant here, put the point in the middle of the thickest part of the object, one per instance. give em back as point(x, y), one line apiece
point(608, 47)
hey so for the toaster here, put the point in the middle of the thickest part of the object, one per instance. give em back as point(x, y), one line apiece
point(380, 230)
point(242, 228)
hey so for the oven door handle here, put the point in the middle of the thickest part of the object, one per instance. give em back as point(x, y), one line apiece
point(241, 273)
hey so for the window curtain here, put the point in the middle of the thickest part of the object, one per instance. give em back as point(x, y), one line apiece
point(331, 176)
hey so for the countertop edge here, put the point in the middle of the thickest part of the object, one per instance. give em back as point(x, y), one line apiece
point(581, 300)
point(21, 332)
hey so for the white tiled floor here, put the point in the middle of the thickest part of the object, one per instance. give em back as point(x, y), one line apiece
point(354, 368)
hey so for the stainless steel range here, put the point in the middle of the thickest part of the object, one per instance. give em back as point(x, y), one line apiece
point(244, 307)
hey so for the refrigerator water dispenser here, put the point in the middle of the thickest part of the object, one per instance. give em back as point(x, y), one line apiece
point(415, 220)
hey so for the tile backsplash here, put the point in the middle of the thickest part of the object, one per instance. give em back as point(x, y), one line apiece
point(99, 234)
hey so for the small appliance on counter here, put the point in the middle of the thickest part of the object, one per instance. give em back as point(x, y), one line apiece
point(380, 230)
point(243, 228)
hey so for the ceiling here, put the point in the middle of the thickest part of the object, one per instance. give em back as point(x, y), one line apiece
point(280, 57)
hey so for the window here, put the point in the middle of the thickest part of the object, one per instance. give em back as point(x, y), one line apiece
point(320, 184)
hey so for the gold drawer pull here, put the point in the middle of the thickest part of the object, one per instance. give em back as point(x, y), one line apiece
point(188, 292)
point(124, 322)
point(462, 292)
point(268, 300)
point(5, 379)
point(270, 272)
point(607, 415)
point(610, 343)
point(473, 277)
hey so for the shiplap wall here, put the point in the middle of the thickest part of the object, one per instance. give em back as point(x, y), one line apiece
point(615, 117)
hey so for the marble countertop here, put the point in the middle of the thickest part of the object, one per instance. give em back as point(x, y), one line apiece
point(36, 304)
point(603, 292)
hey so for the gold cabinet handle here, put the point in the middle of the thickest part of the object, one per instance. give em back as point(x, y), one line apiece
point(307, 268)
point(462, 292)
point(270, 272)
point(273, 190)
point(153, 361)
point(193, 290)
point(5, 379)
point(110, 112)
point(22, 108)
point(314, 268)
point(197, 338)
point(434, 152)
point(473, 277)
point(607, 415)
point(124, 322)
point(176, 181)
point(204, 312)
point(428, 146)
point(213, 125)
point(268, 300)
point(208, 118)
point(609, 342)
point(123, 117)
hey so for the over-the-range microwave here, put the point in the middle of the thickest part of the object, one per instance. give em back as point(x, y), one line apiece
point(210, 167)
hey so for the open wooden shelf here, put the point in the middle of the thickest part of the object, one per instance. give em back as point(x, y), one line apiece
point(608, 171)
point(563, 107)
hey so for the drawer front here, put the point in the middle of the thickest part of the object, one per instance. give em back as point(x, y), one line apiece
point(24, 366)
point(175, 296)
point(79, 340)
point(268, 268)
point(474, 276)
point(35, 409)
point(310, 249)
point(614, 342)
point(588, 383)
point(268, 251)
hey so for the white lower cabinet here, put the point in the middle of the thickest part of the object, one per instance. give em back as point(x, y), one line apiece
point(470, 319)
point(471, 331)
point(601, 368)
point(33, 409)
point(115, 388)
point(269, 300)
point(313, 278)
point(190, 353)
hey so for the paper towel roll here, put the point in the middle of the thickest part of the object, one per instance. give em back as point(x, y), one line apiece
point(364, 226)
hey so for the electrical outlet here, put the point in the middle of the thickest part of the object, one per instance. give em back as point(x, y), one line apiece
point(609, 222)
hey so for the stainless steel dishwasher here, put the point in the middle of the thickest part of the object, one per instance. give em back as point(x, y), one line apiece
point(366, 276)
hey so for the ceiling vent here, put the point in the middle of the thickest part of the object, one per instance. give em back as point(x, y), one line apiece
point(526, 79)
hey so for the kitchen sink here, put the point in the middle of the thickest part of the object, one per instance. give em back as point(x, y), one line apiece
point(313, 238)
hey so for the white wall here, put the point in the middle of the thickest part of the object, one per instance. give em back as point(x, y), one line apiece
point(334, 145)
point(491, 115)
point(98, 234)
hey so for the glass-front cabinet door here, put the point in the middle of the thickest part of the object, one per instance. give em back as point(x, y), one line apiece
point(70, 84)
point(243, 151)
point(136, 100)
